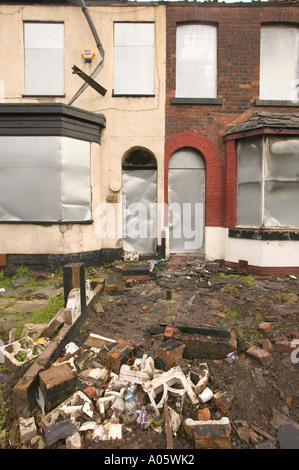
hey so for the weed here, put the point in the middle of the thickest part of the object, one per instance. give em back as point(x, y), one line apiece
point(231, 314)
point(45, 314)
point(250, 280)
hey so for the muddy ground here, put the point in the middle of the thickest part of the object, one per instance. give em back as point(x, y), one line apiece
point(192, 293)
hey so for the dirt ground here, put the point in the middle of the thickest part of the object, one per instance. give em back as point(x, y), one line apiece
point(191, 293)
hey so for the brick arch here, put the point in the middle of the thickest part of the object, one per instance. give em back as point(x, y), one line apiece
point(214, 191)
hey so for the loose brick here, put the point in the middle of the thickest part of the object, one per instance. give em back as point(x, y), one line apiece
point(212, 434)
point(259, 354)
point(27, 429)
point(264, 328)
point(171, 351)
point(56, 384)
point(224, 401)
point(204, 414)
point(118, 353)
point(284, 346)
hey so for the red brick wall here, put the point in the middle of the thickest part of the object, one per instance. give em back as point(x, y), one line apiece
point(203, 126)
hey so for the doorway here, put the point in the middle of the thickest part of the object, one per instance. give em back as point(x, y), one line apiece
point(139, 196)
point(186, 202)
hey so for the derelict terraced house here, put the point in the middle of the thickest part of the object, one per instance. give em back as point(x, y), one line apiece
point(132, 126)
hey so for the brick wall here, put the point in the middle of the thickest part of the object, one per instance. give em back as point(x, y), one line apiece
point(238, 87)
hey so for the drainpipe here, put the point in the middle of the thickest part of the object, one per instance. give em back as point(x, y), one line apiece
point(99, 47)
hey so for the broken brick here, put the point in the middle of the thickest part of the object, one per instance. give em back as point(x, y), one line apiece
point(118, 353)
point(90, 392)
point(56, 384)
point(284, 345)
point(224, 401)
point(203, 414)
point(203, 341)
point(264, 327)
point(136, 273)
point(259, 354)
point(171, 351)
point(27, 429)
point(212, 434)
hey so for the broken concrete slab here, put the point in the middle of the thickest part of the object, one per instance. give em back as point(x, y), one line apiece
point(34, 330)
point(27, 429)
point(74, 441)
point(107, 432)
point(97, 376)
point(280, 419)
point(288, 437)
point(70, 409)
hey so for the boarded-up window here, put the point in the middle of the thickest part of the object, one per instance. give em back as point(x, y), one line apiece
point(196, 61)
point(44, 179)
point(134, 58)
point(268, 182)
point(44, 58)
point(279, 67)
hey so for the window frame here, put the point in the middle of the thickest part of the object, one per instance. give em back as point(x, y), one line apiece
point(179, 99)
point(294, 86)
point(117, 91)
point(28, 86)
point(266, 138)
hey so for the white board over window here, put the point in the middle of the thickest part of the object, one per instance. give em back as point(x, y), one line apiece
point(134, 58)
point(196, 61)
point(44, 58)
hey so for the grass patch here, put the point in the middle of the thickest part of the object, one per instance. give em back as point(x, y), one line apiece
point(45, 314)
point(230, 314)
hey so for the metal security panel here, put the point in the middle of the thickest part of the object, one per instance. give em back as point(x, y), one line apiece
point(140, 210)
point(186, 202)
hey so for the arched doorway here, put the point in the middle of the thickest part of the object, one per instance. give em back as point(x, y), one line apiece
point(139, 183)
point(186, 201)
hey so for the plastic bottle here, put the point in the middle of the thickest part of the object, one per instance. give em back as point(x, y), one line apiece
point(130, 405)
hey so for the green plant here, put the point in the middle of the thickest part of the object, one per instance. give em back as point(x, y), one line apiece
point(22, 271)
point(230, 313)
point(250, 280)
point(45, 314)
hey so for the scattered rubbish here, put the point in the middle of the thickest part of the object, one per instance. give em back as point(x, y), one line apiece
point(2, 290)
point(206, 395)
point(19, 353)
point(131, 256)
point(130, 405)
point(71, 348)
point(233, 356)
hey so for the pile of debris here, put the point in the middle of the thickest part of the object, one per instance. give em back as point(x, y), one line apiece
point(82, 396)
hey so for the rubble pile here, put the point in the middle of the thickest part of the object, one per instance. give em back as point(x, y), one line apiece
point(181, 358)
point(96, 377)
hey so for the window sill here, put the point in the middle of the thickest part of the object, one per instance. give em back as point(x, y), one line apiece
point(264, 234)
point(123, 95)
point(283, 103)
point(43, 96)
point(200, 101)
point(47, 223)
